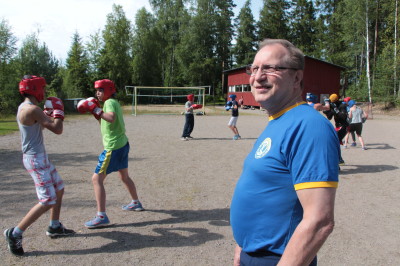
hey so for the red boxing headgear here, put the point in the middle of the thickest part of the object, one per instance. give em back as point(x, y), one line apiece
point(347, 99)
point(34, 86)
point(190, 97)
point(108, 87)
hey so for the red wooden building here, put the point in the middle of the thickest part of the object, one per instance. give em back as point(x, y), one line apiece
point(320, 78)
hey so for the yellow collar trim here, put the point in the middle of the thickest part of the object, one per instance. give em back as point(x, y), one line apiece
point(275, 116)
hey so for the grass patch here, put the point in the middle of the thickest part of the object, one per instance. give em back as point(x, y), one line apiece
point(8, 125)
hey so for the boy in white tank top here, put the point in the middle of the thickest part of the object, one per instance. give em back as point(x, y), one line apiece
point(48, 183)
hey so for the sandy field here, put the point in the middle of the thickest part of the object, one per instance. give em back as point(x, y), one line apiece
point(186, 188)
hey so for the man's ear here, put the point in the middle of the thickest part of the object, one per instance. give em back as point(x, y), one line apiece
point(298, 79)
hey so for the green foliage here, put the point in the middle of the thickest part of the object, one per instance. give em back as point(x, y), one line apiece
point(303, 26)
point(245, 47)
point(9, 95)
point(115, 57)
point(76, 82)
point(274, 20)
point(146, 51)
point(35, 59)
point(93, 49)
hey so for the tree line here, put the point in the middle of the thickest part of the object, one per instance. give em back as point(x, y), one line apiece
point(191, 42)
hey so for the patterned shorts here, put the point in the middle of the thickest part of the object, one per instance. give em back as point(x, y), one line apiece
point(45, 176)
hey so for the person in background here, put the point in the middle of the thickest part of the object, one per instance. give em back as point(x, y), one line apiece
point(338, 110)
point(353, 135)
point(234, 107)
point(241, 102)
point(189, 117)
point(312, 100)
point(357, 117)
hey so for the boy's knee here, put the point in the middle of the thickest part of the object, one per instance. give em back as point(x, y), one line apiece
point(96, 178)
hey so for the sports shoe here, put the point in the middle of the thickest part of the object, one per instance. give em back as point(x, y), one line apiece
point(341, 162)
point(235, 137)
point(239, 137)
point(364, 148)
point(133, 207)
point(97, 222)
point(189, 137)
point(345, 146)
point(353, 144)
point(59, 231)
point(184, 138)
point(14, 243)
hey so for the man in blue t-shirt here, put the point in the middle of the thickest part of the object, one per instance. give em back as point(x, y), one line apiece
point(282, 209)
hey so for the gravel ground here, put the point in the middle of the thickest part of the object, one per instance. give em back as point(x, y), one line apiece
point(186, 188)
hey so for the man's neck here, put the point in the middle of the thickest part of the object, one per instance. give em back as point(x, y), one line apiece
point(273, 110)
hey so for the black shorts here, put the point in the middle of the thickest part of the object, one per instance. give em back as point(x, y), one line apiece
point(357, 127)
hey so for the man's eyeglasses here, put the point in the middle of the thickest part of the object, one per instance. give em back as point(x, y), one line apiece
point(265, 69)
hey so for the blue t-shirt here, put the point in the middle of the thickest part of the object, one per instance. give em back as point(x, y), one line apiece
point(298, 149)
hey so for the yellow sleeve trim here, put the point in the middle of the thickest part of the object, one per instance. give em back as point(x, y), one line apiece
point(315, 185)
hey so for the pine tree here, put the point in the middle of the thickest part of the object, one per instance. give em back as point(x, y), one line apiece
point(273, 22)
point(245, 47)
point(116, 55)
point(303, 27)
point(77, 83)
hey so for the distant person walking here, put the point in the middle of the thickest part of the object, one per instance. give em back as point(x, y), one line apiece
point(234, 107)
point(357, 117)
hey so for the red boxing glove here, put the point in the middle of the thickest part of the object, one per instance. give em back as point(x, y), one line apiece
point(48, 111)
point(197, 106)
point(90, 105)
point(54, 107)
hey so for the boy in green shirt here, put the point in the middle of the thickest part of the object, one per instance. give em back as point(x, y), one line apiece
point(116, 149)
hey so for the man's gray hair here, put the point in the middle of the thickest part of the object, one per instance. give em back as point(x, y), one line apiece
point(295, 58)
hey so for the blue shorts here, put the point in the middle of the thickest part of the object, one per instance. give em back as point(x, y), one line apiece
point(111, 161)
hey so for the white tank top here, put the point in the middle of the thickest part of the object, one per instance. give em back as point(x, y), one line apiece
point(31, 136)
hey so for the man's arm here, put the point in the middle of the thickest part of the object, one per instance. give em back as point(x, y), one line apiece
point(54, 125)
point(320, 107)
point(236, 257)
point(315, 227)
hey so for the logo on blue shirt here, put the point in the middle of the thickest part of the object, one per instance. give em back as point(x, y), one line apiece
point(263, 149)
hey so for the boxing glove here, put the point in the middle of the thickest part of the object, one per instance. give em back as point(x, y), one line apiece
point(54, 107)
point(48, 111)
point(90, 105)
point(197, 106)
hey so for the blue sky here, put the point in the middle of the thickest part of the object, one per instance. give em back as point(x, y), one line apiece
point(58, 20)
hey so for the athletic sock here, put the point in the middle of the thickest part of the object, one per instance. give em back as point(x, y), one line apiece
point(55, 224)
point(102, 215)
point(17, 232)
point(134, 201)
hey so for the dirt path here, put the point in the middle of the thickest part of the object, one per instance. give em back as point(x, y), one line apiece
point(186, 188)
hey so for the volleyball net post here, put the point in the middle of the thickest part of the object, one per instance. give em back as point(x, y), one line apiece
point(160, 97)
